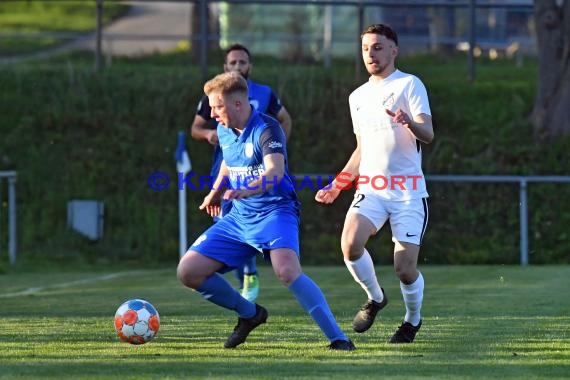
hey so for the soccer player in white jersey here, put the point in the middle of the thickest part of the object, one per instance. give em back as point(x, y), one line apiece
point(391, 118)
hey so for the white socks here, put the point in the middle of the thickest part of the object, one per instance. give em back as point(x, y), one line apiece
point(413, 296)
point(362, 270)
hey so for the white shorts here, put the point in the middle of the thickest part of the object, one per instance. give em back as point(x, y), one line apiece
point(408, 219)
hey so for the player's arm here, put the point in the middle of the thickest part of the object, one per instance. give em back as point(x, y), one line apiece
point(420, 125)
point(212, 202)
point(285, 121)
point(201, 129)
point(278, 110)
point(274, 164)
point(343, 180)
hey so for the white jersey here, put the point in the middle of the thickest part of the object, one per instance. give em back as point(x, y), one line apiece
point(391, 156)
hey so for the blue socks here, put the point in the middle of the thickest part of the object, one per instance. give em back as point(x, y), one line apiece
point(219, 291)
point(249, 267)
point(313, 301)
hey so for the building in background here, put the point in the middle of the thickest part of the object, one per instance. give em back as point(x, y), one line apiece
point(314, 32)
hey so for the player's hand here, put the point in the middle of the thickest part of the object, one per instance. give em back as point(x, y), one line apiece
point(400, 117)
point(212, 137)
point(211, 204)
point(327, 196)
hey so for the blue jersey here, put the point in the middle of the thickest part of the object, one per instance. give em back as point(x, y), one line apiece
point(261, 97)
point(262, 222)
point(243, 154)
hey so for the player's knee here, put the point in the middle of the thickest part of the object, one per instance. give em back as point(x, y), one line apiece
point(350, 249)
point(406, 273)
point(181, 274)
point(287, 274)
point(184, 274)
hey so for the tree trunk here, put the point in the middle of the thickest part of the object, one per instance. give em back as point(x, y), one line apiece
point(551, 113)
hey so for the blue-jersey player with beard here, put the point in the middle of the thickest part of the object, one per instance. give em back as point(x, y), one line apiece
point(264, 218)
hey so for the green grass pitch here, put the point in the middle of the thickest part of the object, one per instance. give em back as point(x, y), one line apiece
point(480, 322)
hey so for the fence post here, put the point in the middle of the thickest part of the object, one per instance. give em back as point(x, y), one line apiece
point(327, 36)
point(99, 32)
point(358, 61)
point(523, 214)
point(204, 39)
point(472, 39)
point(1, 215)
point(12, 219)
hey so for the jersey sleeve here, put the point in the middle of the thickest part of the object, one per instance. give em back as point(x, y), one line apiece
point(418, 98)
point(204, 109)
point(272, 140)
point(274, 105)
point(352, 106)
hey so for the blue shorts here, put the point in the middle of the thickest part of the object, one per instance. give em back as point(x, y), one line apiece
point(234, 239)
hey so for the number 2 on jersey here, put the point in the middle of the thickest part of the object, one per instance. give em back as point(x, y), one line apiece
point(357, 199)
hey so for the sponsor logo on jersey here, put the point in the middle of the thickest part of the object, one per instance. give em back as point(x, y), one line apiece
point(237, 172)
point(275, 144)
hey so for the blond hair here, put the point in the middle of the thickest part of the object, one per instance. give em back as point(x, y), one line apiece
point(226, 83)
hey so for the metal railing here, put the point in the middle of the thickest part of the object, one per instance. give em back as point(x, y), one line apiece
point(523, 181)
point(523, 197)
point(11, 177)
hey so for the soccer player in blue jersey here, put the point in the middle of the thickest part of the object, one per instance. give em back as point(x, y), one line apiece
point(263, 99)
point(264, 217)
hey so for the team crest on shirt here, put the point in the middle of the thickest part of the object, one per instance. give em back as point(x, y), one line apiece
point(248, 149)
point(254, 103)
point(388, 101)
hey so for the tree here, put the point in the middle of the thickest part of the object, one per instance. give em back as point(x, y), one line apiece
point(552, 104)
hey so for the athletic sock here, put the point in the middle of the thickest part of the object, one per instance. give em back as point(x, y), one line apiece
point(413, 296)
point(250, 266)
point(220, 292)
point(363, 272)
point(238, 273)
point(313, 301)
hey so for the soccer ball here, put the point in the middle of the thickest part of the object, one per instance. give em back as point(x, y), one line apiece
point(137, 321)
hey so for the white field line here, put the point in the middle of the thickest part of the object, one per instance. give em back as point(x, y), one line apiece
point(69, 284)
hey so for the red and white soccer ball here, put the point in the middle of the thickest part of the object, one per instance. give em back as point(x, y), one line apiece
point(137, 321)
